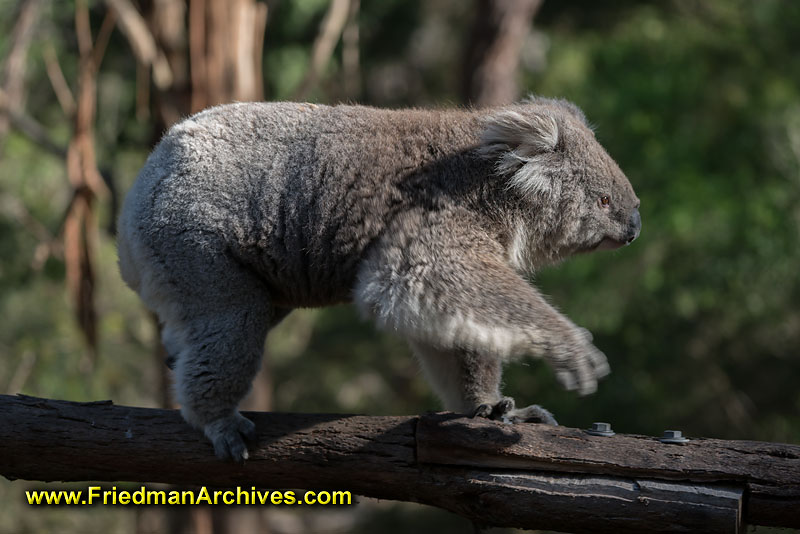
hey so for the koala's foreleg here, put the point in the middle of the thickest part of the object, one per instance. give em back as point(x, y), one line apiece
point(468, 381)
point(448, 288)
point(463, 379)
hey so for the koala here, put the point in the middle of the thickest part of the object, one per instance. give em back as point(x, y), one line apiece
point(430, 221)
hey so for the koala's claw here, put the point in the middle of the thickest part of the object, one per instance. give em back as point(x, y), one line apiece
point(230, 436)
point(505, 410)
point(580, 368)
point(495, 411)
point(503, 407)
point(484, 410)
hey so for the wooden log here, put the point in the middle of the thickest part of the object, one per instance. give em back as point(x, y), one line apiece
point(770, 472)
point(527, 476)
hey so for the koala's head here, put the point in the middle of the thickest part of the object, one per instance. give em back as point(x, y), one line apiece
point(572, 196)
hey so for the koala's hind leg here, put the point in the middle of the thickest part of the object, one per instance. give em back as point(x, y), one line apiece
point(216, 340)
point(214, 371)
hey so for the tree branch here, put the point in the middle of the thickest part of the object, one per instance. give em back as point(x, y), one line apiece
point(57, 80)
point(330, 31)
point(528, 476)
point(47, 246)
point(260, 29)
point(144, 47)
point(30, 128)
point(12, 81)
point(351, 63)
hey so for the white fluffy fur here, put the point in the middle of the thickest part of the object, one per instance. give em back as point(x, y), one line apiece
point(519, 252)
point(520, 144)
point(413, 313)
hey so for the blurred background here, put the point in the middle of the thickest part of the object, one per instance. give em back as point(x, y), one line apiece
point(698, 101)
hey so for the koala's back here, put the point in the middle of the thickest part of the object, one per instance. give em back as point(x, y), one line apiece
point(291, 192)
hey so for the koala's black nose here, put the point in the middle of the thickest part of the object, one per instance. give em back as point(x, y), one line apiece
point(634, 226)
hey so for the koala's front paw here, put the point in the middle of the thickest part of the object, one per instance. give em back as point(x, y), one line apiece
point(230, 436)
point(531, 414)
point(579, 365)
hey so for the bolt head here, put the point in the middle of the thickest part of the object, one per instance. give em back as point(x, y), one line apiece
point(673, 436)
point(600, 429)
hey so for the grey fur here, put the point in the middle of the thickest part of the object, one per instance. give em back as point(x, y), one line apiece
point(428, 219)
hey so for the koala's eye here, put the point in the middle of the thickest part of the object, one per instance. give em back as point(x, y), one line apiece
point(605, 200)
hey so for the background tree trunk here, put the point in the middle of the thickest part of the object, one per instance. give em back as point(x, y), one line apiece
point(498, 35)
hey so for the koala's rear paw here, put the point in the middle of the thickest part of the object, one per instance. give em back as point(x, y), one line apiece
point(531, 414)
point(230, 436)
point(495, 411)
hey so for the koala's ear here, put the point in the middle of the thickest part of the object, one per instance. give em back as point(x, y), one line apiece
point(514, 140)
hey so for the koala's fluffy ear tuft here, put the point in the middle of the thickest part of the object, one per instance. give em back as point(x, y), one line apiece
point(526, 135)
point(518, 142)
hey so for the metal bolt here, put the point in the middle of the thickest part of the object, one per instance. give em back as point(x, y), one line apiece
point(600, 429)
point(673, 436)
